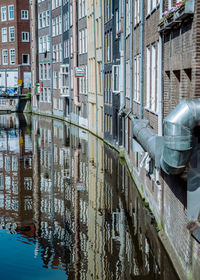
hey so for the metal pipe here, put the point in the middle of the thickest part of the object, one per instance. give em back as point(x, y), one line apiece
point(124, 50)
point(51, 54)
point(70, 97)
point(174, 152)
point(145, 136)
point(178, 135)
point(95, 58)
point(102, 59)
point(131, 59)
point(141, 58)
point(62, 48)
point(75, 56)
point(160, 80)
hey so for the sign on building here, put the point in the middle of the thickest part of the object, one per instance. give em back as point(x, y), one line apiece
point(79, 72)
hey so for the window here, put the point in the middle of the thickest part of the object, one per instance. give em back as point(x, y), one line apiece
point(40, 44)
point(117, 28)
point(12, 34)
point(25, 36)
point(40, 20)
point(24, 14)
point(48, 43)
point(25, 59)
point(148, 71)
point(64, 70)
point(137, 12)
point(148, 6)
point(108, 10)
point(12, 56)
point(44, 19)
point(53, 27)
point(115, 73)
point(11, 12)
point(4, 35)
point(3, 14)
point(153, 78)
point(47, 18)
point(137, 78)
point(5, 57)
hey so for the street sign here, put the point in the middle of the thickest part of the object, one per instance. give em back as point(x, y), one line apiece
point(19, 82)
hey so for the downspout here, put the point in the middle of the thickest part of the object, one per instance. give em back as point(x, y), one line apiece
point(51, 54)
point(141, 58)
point(131, 59)
point(75, 56)
point(69, 35)
point(124, 50)
point(123, 56)
point(95, 58)
point(123, 59)
point(62, 46)
point(160, 79)
point(102, 59)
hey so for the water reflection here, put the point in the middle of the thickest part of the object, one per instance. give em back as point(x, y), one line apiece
point(69, 205)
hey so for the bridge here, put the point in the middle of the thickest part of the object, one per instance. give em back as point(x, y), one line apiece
point(12, 96)
point(11, 100)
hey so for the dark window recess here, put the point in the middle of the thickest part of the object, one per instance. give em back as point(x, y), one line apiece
point(25, 59)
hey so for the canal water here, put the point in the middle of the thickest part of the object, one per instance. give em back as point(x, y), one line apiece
point(69, 209)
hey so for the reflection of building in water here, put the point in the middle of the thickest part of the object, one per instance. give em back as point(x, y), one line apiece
point(15, 173)
point(83, 210)
point(60, 160)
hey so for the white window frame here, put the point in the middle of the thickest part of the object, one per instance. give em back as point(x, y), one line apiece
point(113, 78)
point(12, 62)
point(24, 14)
point(13, 28)
point(153, 77)
point(25, 36)
point(11, 18)
point(148, 73)
point(4, 40)
point(4, 50)
point(3, 12)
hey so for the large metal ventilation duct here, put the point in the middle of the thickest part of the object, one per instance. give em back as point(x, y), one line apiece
point(178, 132)
point(172, 151)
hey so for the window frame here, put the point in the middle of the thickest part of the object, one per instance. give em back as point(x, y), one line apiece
point(3, 50)
point(10, 50)
point(3, 7)
point(25, 12)
point(9, 18)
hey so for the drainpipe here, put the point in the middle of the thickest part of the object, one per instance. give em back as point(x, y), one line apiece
point(51, 54)
point(123, 58)
point(69, 34)
point(160, 80)
point(95, 57)
point(131, 60)
point(62, 46)
point(124, 50)
point(141, 59)
point(123, 61)
point(75, 56)
point(102, 59)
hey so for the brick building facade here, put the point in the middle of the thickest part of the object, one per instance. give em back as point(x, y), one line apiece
point(15, 45)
